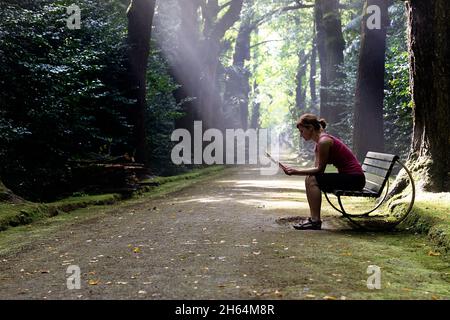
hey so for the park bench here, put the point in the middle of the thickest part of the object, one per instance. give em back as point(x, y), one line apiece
point(377, 168)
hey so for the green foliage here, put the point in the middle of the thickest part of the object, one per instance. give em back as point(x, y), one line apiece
point(162, 112)
point(397, 100)
point(60, 92)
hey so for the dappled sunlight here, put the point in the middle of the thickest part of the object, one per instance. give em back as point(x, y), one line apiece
point(267, 183)
point(211, 199)
point(274, 204)
point(275, 195)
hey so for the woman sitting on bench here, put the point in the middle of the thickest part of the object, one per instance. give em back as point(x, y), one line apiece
point(329, 150)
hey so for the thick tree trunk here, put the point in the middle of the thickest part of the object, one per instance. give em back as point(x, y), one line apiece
point(330, 44)
point(368, 112)
point(429, 31)
point(140, 16)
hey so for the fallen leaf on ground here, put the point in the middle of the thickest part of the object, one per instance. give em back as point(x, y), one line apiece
point(93, 282)
point(278, 293)
point(310, 296)
point(136, 250)
point(329, 298)
point(434, 254)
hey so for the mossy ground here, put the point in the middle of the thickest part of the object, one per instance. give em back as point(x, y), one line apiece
point(431, 216)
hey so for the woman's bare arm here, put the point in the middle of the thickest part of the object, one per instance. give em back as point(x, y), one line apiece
point(323, 153)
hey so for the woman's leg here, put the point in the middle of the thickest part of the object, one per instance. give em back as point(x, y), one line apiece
point(314, 196)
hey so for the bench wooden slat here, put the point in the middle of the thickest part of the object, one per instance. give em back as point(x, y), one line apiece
point(378, 163)
point(377, 168)
point(381, 156)
point(374, 178)
point(374, 170)
point(373, 187)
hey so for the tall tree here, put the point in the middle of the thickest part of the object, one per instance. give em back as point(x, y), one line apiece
point(312, 74)
point(140, 17)
point(256, 113)
point(429, 49)
point(238, 87)
point(330, 46)
point(368, 110)
point(213, 32)
point(300, 91)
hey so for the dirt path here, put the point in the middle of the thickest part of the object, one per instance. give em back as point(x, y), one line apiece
point(220, 239)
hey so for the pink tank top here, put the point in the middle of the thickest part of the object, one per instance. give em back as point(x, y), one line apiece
point(342, 157)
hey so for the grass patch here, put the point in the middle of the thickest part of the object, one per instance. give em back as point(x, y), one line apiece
point(13, 215)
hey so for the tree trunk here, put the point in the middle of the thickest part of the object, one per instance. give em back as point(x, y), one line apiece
point(368, 110)
point(312, 75)
point(321, 50)
point(331, 44)
point(300, 91)
point(140, 17)
point(8, 196)
point(429, 31)
point(254, 122)
point(215, 29)
point(185, 64)
point(238, 87)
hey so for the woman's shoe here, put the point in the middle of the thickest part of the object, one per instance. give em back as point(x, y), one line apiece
point(309, 225)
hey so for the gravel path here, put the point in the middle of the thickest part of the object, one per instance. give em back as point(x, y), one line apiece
point(223, 238)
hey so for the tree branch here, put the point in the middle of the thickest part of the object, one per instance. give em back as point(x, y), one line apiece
point(225, 5)
point(230, 17)
point(264, 18)
point(263, 42)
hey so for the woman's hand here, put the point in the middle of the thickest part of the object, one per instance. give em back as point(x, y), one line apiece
point(287, 170)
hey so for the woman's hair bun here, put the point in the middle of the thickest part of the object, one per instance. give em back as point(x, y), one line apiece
point(323, 123)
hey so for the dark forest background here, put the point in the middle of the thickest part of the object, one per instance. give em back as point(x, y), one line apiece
point(71, 97)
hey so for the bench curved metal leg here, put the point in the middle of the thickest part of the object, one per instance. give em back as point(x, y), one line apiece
point(348, 216)
point(413, 195)
point(365, 214)
point(331, 203)
point(389, 226)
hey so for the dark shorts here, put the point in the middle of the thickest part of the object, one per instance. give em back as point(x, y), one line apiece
point(340, 181)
